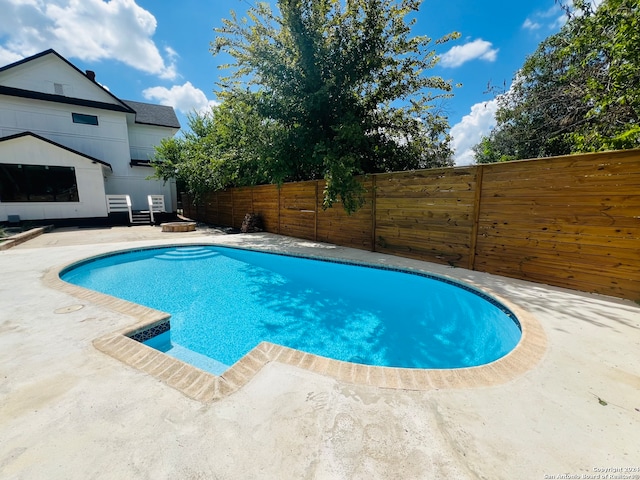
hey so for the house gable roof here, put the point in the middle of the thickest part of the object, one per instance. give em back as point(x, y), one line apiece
point(35, 78)
point(111, 102)
point(56, 144)
point(150, 114)
point(34, 57)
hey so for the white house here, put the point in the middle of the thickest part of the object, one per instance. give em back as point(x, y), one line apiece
point(66, 143)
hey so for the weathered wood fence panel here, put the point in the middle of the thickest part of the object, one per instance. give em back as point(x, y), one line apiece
point(569, 221)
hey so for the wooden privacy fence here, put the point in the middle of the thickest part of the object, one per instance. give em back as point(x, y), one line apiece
point(571, 221)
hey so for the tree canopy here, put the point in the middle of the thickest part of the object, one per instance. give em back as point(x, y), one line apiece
point(221, 148)
point(579, 91)
point(322, 89)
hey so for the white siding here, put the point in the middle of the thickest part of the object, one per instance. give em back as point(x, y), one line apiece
point(108, 141)
point(135, 182)
point(89, 177)
point(41, 75)
point(138, 188)
point(144, 138)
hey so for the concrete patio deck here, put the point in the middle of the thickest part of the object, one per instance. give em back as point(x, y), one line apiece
point(69, 411)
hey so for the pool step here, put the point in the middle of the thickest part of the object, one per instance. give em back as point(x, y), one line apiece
point(164, 344)
point(187, 253)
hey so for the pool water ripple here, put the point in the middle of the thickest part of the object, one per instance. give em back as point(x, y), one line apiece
point(224, 301)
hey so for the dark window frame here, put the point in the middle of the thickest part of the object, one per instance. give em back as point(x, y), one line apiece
point(22, 183)
point(84, 119)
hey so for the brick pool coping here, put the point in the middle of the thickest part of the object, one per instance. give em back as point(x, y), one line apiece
point(207, 387)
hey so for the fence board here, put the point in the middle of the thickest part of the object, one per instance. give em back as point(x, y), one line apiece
point(570, 221)
point(594, 160)
point(445, 254)
point(265, 204)
point(242, 204)
point(225, 208)
point(567, 221)
point(426, 215)
point(530, 213)
point(331, 222)
point(563, 274)
point(210, 208)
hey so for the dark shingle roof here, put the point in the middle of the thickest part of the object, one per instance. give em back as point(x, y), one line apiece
point(150, 114)
point(48, 97)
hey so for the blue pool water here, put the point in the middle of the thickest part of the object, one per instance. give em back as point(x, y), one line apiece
point(224, 301)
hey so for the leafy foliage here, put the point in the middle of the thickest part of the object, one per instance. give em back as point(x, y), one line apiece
point(221, 148)
point(579, 92)
point(325, 89)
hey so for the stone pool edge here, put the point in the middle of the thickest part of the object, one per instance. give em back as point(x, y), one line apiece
point(207, 387)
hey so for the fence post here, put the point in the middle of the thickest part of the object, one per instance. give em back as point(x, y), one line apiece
point(279, 187)
point(476, 216)
point(232, 208)
point(315, 225)
point(373, 212)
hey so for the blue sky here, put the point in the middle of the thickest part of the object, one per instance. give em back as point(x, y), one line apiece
point(158, 51)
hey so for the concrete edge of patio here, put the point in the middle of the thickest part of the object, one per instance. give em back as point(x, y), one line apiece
point(70, 411)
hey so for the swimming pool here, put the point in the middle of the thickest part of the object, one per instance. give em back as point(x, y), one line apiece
point(223, 301)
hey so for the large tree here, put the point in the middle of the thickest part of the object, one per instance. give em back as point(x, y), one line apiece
point(579, 92)
point(342, 88)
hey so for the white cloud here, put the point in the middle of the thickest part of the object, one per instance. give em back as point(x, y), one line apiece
point(531, 25)
point(550, 20)
point(460, 54)
point(558, 23)
point(171, 53)
point(185, 98)
point(90, 30)
point(469, 131)
point(7, 56)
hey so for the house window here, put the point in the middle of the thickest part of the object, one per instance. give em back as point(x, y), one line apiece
point(37, 183)
point(84, 119)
